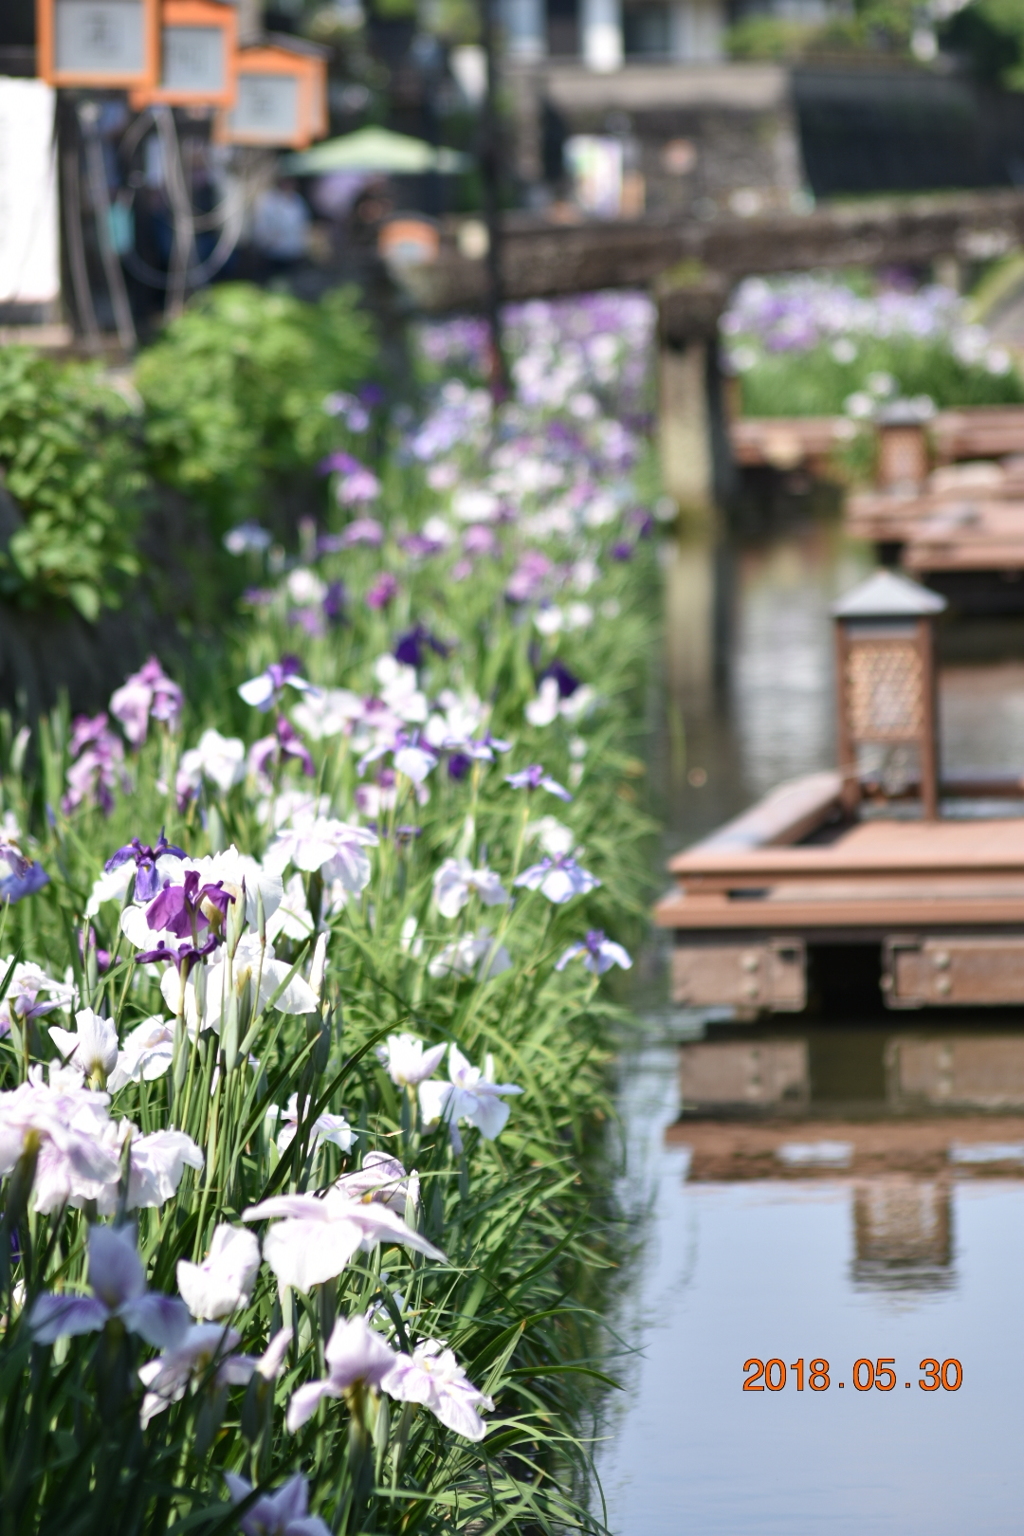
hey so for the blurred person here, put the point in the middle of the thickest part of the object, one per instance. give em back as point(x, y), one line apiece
point(280, 228)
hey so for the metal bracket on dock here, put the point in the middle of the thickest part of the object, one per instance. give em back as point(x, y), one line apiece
point(761, 974)
point(953, 969)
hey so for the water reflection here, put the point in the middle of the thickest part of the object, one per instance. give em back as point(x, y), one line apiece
point(846, 1190)
point(903, 1234)
point(868, 1066)
point(801, 1262)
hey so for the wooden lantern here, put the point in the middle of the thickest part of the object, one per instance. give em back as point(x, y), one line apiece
point(281, 98)
point(198, 53)
point(902, 439)
point(106, 44)
point(886, 680)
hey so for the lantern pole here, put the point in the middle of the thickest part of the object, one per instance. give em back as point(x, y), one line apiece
point(489, 155)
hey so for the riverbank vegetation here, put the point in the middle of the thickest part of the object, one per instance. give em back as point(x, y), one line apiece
point(303, 1020)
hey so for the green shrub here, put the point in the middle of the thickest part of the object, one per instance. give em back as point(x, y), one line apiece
point(234, 390)
point(68, 459)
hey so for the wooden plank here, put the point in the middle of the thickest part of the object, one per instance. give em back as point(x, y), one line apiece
point(784, 816)
point(864, 918)
point(872, 847)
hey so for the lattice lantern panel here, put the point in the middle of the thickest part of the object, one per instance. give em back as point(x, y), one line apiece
point(885, 686)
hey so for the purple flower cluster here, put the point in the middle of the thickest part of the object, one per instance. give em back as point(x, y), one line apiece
point(97, 766)
point(145, 695)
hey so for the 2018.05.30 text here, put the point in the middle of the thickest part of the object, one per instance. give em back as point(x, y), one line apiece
point(865, 1375)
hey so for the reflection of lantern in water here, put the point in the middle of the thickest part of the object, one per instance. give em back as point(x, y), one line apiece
point(886, 683)
point(903, 1233)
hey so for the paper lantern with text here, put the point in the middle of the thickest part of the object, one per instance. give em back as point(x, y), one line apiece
point(198, 53)
point(276, 102)
point(111, 44)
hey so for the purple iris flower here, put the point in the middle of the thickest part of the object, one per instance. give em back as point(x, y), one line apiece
point(527, 579)
point(459, 765)
point(147, 882)
point(383, 591)
point(25, 877)
point(97, 769)
point(335, 600)
point(181, 956)
point(87, 941)
point(265, 690)
point(622, 549)
point(642, 521)
point(418, 546)
point(362, 530)
point(179, 908)
point(371, 394)
point(599, 954)
point(410, 646)
point(536, 777)
point(480, 539)
point(285, 742)
point(567, 681)
point(338, 464)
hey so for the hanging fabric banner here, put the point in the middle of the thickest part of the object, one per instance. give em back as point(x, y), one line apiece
point(29, 262)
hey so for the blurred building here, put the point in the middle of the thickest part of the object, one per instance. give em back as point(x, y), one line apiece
point(701, 135)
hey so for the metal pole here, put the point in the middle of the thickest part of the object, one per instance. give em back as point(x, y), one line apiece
point(490, 171)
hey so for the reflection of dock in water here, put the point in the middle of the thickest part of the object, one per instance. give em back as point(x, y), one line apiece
point(860, 1104)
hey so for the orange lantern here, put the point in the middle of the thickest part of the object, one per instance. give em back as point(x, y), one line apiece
point(198, 54)
point(109, 44)
point(281, 99)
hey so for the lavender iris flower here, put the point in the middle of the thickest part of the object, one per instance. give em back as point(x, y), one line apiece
point(528, 578)
point(265, 690)
point(147, 881)
point(97, 767)
point(285, 742)
point(535, 777)
point(338, 464)
point(246, 536)
point(147, 693)
point(282, 1513)
point(558, 879)
point(599, 954)
point(362, 530)
point(118, 1284)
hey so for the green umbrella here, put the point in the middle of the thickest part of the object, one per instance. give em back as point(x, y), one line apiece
point(377, 150)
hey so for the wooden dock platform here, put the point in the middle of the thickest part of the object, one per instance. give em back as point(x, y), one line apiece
point(943, 900)
point(970, 432)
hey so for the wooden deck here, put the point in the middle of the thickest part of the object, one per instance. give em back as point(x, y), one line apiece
point(943, 900)
point(874, 875)
point(977, 432)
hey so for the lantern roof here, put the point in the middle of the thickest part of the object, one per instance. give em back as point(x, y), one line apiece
point(888, 596)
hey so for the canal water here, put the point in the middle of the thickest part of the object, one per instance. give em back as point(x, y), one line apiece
point(844, 1190)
